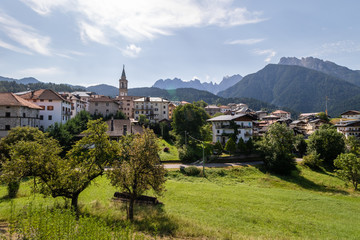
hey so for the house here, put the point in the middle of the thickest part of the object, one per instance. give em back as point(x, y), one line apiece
point(260, 114)
point(121, 127)
point(224, 109)
point(54, 108)
point(224, 126)
point(349, 128)
point(212, 109)
point(154, 108)
point(16, 111)
point(126, 105)
point(85, 97)
point(103, 105)
point(282, 114)
point(351, 114)
point(309, 116)
point(77, 104)
point(172, 107)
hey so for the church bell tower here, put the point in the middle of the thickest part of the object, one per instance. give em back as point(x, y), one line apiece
point(123, 84)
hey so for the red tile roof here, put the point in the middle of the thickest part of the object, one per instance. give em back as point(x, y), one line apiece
point(46, 94)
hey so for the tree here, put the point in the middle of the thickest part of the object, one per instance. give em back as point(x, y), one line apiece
point(323, 116)
point(190, 119)
point(349, 168)
point(66, 177)
point(15, 136)
point(276, 147)
point(138, 168)
point(143, 120)
point(327, 142)
point(249, 146)
point(353, 145)
point(300, 145)
point(230, 146)
point(241, 145)
point(200, 103)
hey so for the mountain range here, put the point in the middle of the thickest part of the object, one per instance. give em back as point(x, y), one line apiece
point(214, 88)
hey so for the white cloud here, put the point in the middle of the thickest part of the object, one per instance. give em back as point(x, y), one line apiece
point(249, 41)
point(269, 53)
point(24, 35)
point(138, 20)
point(40, 71)
point(131, 51)
point(13, 48)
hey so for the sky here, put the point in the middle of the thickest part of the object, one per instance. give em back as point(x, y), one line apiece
point(87, 42)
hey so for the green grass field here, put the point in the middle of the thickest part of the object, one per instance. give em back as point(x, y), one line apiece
point(237, 203)
point(168, 156)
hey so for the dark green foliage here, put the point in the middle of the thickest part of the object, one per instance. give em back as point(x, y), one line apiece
point(241, 146)
point(300, 145)
point(218, 148)
point(200, 103)
point(15, 87)
point(191, 119)
point(249, 146)
point(276, 147)
point(13, 188)
point(230, 146)
point(190, 171)
point(298, 88)
point(353, 145)
point(327, 142)
point(118, 115)
point(324, 117)
point(189, 153)
point(348, 165)
point(312, 161)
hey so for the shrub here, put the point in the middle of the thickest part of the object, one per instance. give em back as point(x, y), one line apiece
point(312, 161)
point(190, 171)
point(189, 154)
point(166, 149)
point(13, 188)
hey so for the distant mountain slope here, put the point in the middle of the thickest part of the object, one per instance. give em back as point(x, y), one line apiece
point(104, 89)
point(12, 86)
point(352, 76)
point(298, 88)
point(196, 84)
point(20, 81)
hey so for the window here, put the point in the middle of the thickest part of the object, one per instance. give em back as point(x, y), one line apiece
point(7, 127)
point(42, 107)
point(24, 115)
point(50, 108)
point(7, 114)
point(50, 100)
point(164, 107)
point(96, 104)
point(164, 112)
point(7, 107)
point(50, 117)
point(41, 100)
point(34, 100)
point(107, 104)
point(41, 117)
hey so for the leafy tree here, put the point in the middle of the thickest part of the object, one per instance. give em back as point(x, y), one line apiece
point(323, 116)
point(15, 136)
point(300, 145)
point(59, 132)
point(349, 168)
point(327, 142)
point(230, 146)
point(276, 147)
point(190, 119)
point(138, 168)
point(200, 103)
point(218, 148)
point(143, 120)
point(352, 145)
point(241, 145)
point(312, 161)
point(249, 146)
point(63, 177)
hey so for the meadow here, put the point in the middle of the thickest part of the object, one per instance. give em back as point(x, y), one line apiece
point(236, 203)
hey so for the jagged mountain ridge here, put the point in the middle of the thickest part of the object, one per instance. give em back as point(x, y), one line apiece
point(352, 76)
point(214, 88)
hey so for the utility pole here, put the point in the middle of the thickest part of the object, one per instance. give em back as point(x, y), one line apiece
point(326, 100)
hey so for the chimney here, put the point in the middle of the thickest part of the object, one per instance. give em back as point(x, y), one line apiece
point(112, 124)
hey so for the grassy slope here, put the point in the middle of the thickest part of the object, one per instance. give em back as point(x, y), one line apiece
point(238, 203)
point(168, 156)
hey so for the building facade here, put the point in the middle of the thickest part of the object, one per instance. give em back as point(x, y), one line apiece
point(123, 84)
point(154, 108)
point(16, 111)
point(103, 105)
point(224, 126)
point(54, 108)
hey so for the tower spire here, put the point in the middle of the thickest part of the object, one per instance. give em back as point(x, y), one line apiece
point(123, 75)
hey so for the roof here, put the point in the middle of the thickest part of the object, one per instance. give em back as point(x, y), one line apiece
point(271, 116)
point(102, 99)
point(10, 99)
point(228, 117)
point(123, 75)
point(212, 107)
point(308, 114)
point(46, 94)
point(280, 112)
point(348, 123)
point(151, 99)
point(351, 112)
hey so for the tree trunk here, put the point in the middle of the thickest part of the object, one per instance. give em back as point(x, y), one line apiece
point(130, 213)
point(74, 204)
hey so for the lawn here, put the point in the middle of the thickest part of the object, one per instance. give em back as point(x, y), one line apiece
point(172, 154)
point(236, 203)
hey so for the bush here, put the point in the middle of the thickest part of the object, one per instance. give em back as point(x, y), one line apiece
point(189, 154)
point(166, 149)
point(312, 161)
point(190, 171)
point(13, 189)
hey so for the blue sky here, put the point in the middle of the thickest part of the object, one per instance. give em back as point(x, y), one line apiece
point(86, 42)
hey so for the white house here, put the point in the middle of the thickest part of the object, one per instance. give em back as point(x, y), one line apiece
point(223, 127)
point(349, 128)
point(77, 104)
point(351, 114)
point(54, 108)
point(154, 108)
